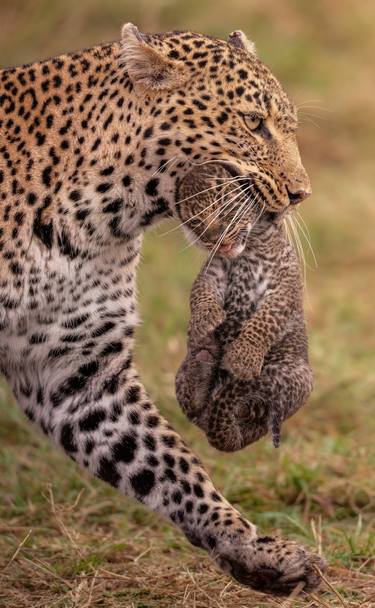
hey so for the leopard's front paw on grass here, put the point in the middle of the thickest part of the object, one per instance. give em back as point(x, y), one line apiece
point(243, 362)
point(273, 565)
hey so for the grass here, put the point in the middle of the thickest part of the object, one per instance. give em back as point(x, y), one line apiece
point(67, 540)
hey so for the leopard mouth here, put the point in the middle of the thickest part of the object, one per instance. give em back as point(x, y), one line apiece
point(231, 251)
point(228, 248)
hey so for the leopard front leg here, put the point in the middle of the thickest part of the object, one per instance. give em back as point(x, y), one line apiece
point(104, 420)
point(244, 358)
point(207, 300)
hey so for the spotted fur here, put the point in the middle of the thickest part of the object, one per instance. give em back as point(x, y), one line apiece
point(247, 365)
point(92, 145)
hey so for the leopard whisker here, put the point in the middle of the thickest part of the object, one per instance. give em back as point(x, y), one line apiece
point(311, 121)
point(199, 238)
point(303, 112)
point(196, 194)
point(246, 210)
point(216, 215)
point(220, 240)
point(222, 186)
point(306, 236)
point(312, 103)
point(226, 204)
point(218, 178)
point(246, 192)
point(304, 223)
point(193, 216)
point(298, 247)
point(287, 232)
point(258, 200)
point(169, 162)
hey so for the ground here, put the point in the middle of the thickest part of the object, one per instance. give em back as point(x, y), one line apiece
point(67, 540)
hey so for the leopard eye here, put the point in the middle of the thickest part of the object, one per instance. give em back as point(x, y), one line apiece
point(253, 121)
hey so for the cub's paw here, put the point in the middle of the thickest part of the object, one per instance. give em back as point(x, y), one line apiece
point(205, 357)
point(205, 320)
point(273, 565)
point(242, 361)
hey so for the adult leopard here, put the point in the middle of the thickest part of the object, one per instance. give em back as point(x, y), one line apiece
point(85, 145)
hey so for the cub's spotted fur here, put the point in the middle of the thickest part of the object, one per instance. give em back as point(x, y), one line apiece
point(92, 145)
point(247, 365)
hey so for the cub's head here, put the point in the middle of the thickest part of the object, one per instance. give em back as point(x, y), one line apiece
point(217, 210)
point(205, 100)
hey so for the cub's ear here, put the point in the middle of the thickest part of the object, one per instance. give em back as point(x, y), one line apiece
point(240, 41)
point(148, 67)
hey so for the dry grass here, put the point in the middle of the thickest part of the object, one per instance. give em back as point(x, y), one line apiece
point(68, 541)
point(76, 558)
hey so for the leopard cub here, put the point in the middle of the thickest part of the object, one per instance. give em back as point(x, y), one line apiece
point(246, 368)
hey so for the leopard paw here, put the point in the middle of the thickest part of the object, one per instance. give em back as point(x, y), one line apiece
point(204, 321)
point(273, 565)
point(205, 357)
point(242, 362)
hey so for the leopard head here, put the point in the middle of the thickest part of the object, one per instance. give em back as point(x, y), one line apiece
point(206, 100)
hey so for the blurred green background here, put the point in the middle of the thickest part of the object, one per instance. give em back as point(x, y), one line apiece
point(319, 487)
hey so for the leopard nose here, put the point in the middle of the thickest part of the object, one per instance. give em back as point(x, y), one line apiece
point(297, 196)
point(214, 232)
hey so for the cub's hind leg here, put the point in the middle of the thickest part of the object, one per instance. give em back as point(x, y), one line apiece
point(235, 414)
point(239, 413)
point(287, 388)
point(194, 377)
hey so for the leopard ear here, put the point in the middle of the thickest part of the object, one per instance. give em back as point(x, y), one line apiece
point(240, 41)
point(148, 67)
